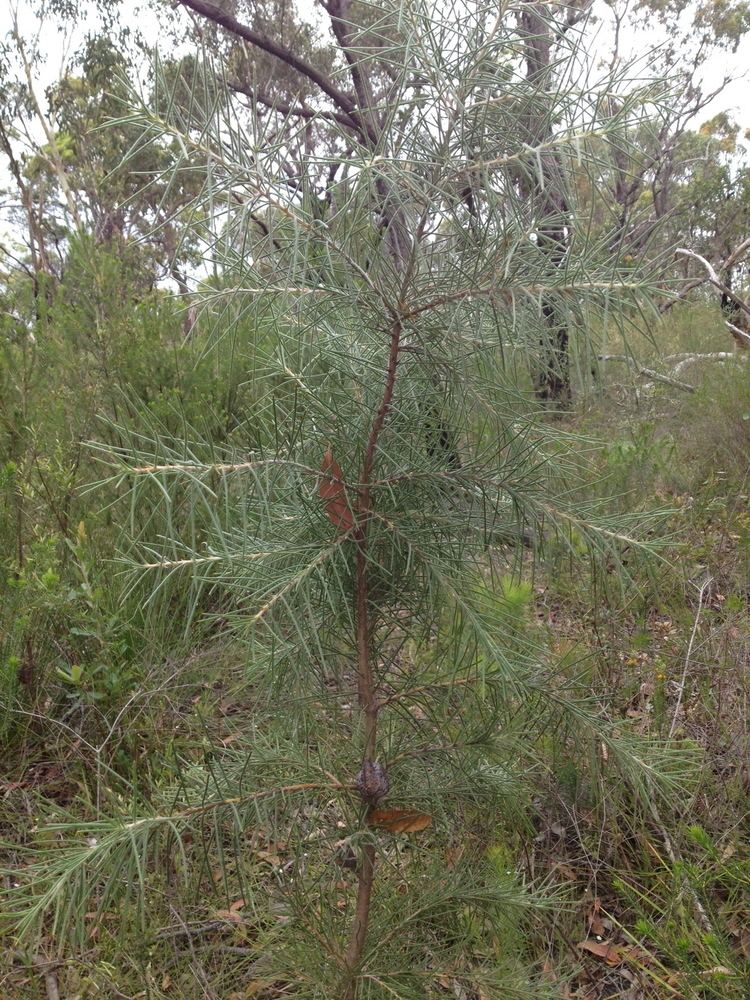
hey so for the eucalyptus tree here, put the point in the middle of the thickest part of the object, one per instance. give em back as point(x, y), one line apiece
point(64, 163)
point(644, 184)
point(359, 537)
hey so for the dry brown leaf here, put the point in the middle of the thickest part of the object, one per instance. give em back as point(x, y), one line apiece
point(270, 857)
point(617, 954)
point(565, 871)
point(332, 491)
point(399, 820)
point(605, 950)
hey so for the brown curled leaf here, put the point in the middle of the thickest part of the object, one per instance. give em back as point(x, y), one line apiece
point(603, 949)
point(399, 820)
point(332, 491)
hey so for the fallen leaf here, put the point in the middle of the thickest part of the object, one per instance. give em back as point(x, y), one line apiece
point(332, 490)
point(230, 915)
point(565, 871)
point(270, 857)
point(616, 954)
point(399, 820)
point(253, 988)
point(603, 949)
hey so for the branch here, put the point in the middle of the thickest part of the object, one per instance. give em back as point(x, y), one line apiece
point(692, 358)
point(648, 372)
point(338, 12)
point(713, 277)
point(366, 693)
point(56, 159)
point(219, 16)
point(683, 294)
point(741, 335)
point(736, 255)
point(289, 110)
point(725, 265)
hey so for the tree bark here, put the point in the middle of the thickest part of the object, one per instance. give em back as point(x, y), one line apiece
point(551, 375)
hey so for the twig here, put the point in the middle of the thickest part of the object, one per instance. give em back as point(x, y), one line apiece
point(706, 584)
point(672, 852)
point(199, 970)
point(47, 969)
point(191, 930)
point(206, 807)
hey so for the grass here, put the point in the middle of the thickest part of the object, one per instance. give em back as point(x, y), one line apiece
point(654, 903)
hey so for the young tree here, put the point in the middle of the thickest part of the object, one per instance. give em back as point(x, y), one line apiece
point(356, 535)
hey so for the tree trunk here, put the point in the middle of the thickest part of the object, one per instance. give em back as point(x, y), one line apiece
point(551, 376)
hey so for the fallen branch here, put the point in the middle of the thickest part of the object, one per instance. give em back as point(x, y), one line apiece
point(689, 359)
point(648, 372)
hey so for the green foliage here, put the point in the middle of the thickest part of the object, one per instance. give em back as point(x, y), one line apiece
point(105, 351)
point(190, 635)
point(352, 332)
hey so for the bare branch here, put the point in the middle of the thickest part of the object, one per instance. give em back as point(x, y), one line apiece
point(736, 255)
point(288, 110)
point(213, 12)
point(713, 277)
point(648, 372)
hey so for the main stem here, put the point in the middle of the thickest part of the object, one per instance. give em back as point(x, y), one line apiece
point(366, 695)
